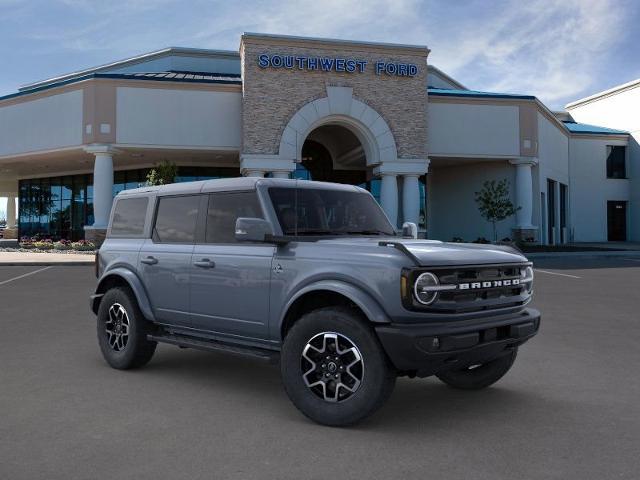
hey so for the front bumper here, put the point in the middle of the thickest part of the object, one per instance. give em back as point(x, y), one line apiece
point(426, 349)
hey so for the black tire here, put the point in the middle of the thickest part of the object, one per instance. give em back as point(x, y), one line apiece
point(133, 351)
point(481, 376)
point(377, 376)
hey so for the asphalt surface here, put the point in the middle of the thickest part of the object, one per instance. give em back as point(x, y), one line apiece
point(569, 408)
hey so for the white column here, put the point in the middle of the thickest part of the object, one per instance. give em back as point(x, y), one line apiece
point(254, 173)
point(524, 192)
point(11, 211)
point(280, 174)
point(411, 198)
point(389, 197)
point(102, 184)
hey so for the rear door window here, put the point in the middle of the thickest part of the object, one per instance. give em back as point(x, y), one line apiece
point(176, 219)
point(224, 209)
point(128, 217)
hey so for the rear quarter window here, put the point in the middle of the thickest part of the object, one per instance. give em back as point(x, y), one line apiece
point(128, 217)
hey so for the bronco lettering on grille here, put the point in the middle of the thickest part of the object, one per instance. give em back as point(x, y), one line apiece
point(510, 282)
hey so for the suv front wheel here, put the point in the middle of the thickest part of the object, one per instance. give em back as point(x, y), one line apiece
point(333, 367)
point(122, 331)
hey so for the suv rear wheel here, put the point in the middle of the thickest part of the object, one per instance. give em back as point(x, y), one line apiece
point(333, 367)
point(122, 330)
point(480, 376)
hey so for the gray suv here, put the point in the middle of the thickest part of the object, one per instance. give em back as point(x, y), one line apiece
point(313, 276)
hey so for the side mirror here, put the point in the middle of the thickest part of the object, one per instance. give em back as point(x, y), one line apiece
point(409, 230)
point(252, 229)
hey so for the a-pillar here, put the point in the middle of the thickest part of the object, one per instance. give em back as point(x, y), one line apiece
point(524, 229)
point(102, 191)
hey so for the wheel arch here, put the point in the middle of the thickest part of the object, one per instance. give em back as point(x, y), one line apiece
point(330, 293)
point(123, 277)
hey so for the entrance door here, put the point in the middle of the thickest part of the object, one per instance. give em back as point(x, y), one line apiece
point(617, 221)
point(230, 281)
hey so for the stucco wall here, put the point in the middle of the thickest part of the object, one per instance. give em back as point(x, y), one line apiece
point(271, 96)
point(451, 197)
point(45, 123)
point(621, 111)
point(464, 129)
point(165, 117)
point(590, 189)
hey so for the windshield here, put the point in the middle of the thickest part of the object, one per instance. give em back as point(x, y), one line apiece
point(310, 211)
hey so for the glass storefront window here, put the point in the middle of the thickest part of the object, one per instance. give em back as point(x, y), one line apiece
point(60, 207)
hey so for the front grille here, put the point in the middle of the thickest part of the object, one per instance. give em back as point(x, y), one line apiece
point(478, 288)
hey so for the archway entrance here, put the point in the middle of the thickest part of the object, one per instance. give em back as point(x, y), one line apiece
point(333, 153)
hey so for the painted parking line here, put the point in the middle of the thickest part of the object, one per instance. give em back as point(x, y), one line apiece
point(25, 275)
point(556, 273)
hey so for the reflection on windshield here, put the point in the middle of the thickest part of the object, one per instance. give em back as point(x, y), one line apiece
point(310, 211)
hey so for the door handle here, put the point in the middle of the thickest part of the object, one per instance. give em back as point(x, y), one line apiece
point(149, 260)
point(204, 263)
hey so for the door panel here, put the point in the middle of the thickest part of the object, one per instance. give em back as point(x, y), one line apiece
point(230, 289)
point(617, 221)
point(165, 270)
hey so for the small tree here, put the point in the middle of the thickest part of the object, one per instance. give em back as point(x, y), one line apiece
point(494, 203)
point(163, 173)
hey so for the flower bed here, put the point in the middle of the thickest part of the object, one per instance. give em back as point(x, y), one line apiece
point(47, 245)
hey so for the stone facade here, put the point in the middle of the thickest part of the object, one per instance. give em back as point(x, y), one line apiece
point(272, 96)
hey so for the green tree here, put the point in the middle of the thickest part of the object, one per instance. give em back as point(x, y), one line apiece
point(163, 173)
point(494, 203)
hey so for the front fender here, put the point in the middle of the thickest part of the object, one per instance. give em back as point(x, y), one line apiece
point(369, 306)
point(134, 283)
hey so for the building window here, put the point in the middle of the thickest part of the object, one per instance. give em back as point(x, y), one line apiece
point(616, 161)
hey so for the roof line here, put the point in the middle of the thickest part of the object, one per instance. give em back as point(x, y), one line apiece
point(446, 76)
point(121, 76)
point(443, 92)
point(334, 40)
point(604, 93)
point(130, 61)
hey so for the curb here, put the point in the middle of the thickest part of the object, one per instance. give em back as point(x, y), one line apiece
point(612, 254)
point(47, 264)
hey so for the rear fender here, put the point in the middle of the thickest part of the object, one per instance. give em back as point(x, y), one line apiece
point(125, 275)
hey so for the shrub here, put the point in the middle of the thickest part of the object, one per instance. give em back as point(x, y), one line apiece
point(62, 245)
point(481, 240)
point(457, 240)
point(43, 244)
point(83, 245)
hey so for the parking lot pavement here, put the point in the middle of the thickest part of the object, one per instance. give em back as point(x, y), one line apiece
point(568, 409)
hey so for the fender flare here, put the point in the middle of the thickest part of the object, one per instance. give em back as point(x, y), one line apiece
point(369, 306)
point(134, 283)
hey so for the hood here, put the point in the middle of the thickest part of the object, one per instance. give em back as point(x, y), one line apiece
point(436, 253)
point(433, 253)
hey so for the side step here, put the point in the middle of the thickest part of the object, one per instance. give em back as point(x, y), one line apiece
point(184, 341)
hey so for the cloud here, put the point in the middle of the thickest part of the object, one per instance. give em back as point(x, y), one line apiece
point(558, 50)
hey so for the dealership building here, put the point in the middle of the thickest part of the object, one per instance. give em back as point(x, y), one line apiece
point(370, 114)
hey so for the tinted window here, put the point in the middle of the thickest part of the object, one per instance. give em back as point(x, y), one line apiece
point(306, 211)
point(616, 161)
point(128, 217)
point(176, 219)
point(224, 209)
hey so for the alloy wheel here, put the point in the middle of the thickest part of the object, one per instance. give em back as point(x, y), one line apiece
point(117, 327)
point(332, 366)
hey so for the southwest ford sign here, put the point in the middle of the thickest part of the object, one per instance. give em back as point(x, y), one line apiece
point(335, 64)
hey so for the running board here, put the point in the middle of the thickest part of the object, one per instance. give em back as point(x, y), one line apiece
point(184, 341)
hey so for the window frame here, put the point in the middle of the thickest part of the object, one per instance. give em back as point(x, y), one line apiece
point(156, 207)
point(142, 234)
point(205, 222)
point(625, 172)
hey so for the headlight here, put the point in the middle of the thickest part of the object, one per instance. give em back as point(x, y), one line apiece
point(425, 289)
point(526, 278)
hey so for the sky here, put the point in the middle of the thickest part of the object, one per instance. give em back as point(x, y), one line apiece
point(557, 50)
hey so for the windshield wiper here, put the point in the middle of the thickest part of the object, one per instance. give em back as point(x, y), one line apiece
point(370, 232)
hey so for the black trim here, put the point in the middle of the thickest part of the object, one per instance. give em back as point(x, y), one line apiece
point(426, 349)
